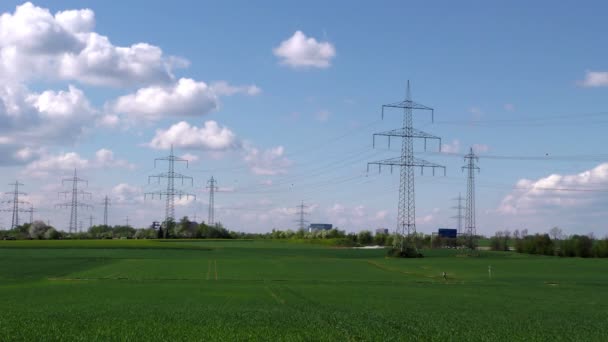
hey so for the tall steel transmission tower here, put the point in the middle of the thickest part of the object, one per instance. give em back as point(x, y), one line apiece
point(406, 218)
point(106, 203)
point(301, 212)
point(170, 193)
point(74, 204)
point(91, 218)
point(212, 188)
point(31, 211)
point(459, 215)
point(15, 202)
point(470, 229)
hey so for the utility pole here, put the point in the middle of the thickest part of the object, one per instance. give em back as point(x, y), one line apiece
point(459, 215)
point(74, 204)
point(170, 193)
point(406, 210)
point(106, 203)
point(212, 188)
point(16, 201)
point(301, 221)
point(470, 229)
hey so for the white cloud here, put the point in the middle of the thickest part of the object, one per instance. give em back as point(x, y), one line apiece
point(185, 98)
point(595, 79)
point(36, 44)
point(453, 147)
point(480, 148)
point(300, 51)
point(211, 137)
point(222, 88)
point(509, 107)
point(532, 196)
point(190, 157)
point(125, 193)
point(36, 120)
point(49, 163)
point(322, 115)
point(268, 162)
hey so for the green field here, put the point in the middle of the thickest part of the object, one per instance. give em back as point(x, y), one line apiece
point(280, 291)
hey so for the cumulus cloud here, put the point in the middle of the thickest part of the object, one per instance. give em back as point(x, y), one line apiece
point(533, 196)
point(125, 193)
point(595, 79)
point(267, 162)
point(33, 120)
point(300, 51)
point(322, 115)
point(453, 147)
point(223, 88)
point(480, 148)
point(50, 163)
point(34, 43)
point(211, 136)
point(184, 98)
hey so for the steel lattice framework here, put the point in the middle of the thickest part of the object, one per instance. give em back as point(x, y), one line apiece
point(106, 203)
point(301, 213)
point(15, 202)
point(74, 204)
point(459, 215)
point(212, 186)
point(406, 218)
point(470, 229)
point(170, 193)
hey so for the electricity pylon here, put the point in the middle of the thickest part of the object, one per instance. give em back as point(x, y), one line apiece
point(106, 203)
point(15, 202)
point(74, 204)
point(470, 229)
point(170, 193)
point(212, 188)
point(459, 215)
point(91, 218)
point(406, 218)
point(301, 221)
point(31, 211)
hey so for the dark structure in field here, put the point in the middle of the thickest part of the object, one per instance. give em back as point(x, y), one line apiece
point(314, 227)
point(382, 231)
point(447, 233)
point(470, 229)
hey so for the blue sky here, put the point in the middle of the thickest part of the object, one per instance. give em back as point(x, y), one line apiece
point(279, 101)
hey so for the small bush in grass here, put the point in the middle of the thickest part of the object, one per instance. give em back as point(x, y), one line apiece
point(408, 252)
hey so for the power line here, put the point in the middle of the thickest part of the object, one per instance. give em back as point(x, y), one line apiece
point(16, 201)
point(106, 203)
point(212, 188)
point(470, 229)
point(459, 215)
point(74, 204)
point(170, 193)
point(406, 216)
point(301, 221)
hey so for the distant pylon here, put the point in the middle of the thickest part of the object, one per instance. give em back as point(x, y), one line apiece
point(212, 188)
point(127, 221)
point(406, 213)
point(470, 229)
point(31, 211)
point(106, 203)
point(74, 204)
point(459, 215)
point(301, 221)
point(16, 201)
point(91, 218)
point(170, 193)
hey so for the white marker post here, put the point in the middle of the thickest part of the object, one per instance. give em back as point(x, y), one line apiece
point(490, 271)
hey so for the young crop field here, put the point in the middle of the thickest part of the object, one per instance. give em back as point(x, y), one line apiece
point(279, 291)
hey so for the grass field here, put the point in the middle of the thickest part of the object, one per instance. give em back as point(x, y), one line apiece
point(280, 291)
